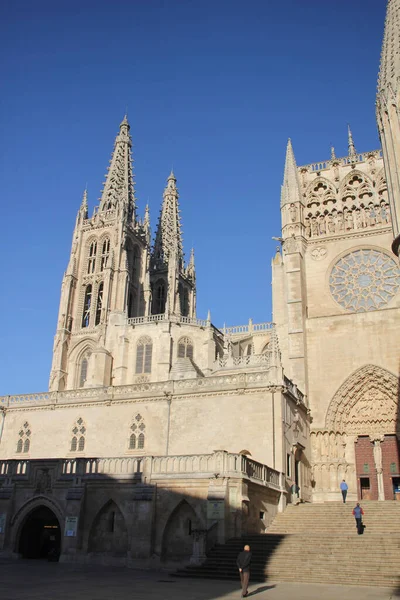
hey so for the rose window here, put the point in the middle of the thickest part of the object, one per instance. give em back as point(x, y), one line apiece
point(364, 280)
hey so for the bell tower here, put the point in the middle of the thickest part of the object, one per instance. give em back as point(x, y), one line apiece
point(107, 270)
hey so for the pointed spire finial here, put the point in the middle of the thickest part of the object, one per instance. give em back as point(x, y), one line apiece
point(352, 148)
point(171, 176)
point(333, 155)
point(119, 192)
point(125, 121)
point(290, 191)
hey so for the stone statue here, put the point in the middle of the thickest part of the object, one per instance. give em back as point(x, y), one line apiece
point(308, 229)
point(371, 219)
point(358, 220)
point(384, 213)
point(314, 227)
point(331, 224)
point(322, 226)
point(349, 219)
point(293, 213)
point(363, 217)
point(339, 222)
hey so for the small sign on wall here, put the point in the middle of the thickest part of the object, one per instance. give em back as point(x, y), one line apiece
point(215, 509)
point(71, 526)
point(2, 522)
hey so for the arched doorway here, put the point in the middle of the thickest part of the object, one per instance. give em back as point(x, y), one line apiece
point(40, 535)
point(177, 541)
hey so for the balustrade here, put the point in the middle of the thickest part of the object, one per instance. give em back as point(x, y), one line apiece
point(224, 463)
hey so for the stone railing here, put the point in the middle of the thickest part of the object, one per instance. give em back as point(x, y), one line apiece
point(218, 464)
point(159, 389)
point(343, 161)
point(248, 329)
point(239, 362)
point(166, 317)
point(293, 389)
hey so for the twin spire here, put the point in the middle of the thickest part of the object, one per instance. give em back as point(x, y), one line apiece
point(118, 194)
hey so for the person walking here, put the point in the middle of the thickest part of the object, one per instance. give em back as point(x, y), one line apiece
point(358, 514)
point(243, 562)
point(344, 487)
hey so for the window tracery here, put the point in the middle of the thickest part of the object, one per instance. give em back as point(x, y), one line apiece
point(83, 368)
point(24, 441)
point(86, 306)
point(364, 280)
point(137, 433)
point(185, 348)
point(144, 351)
point(99, 304)
point(159, 298)
point(105, 253)
point(92, 257)
point(78, 436)
point(359, 206)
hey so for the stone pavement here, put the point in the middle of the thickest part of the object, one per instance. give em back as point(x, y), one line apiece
point(38, 580)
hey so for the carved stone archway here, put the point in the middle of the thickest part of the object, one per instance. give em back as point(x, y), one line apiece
point(366, 403)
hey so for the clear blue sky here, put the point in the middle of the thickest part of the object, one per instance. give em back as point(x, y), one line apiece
point(213, 88)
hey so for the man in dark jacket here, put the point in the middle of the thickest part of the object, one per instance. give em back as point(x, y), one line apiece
point(358, 513)
point(243, 562)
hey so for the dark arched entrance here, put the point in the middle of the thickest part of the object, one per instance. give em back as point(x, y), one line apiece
point(40, 535)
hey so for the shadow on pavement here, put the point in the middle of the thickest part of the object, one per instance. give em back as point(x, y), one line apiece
point(263, 588)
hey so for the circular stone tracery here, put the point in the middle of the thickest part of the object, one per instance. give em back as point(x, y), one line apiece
point(364, 280)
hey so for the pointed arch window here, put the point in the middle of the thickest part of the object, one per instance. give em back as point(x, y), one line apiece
point(78, 436)
point(184, 300)
point(24, 442)
point(144, 351)
point(83, 368)
point(99, 304)
point(137, 433)
point(105, 253)
point(86, 306)
point(159, 298)
point(185, 348)
point(92, 257)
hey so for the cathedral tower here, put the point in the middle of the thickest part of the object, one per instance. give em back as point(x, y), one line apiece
point(173, 284)
point(107, 271)
point(387, 112)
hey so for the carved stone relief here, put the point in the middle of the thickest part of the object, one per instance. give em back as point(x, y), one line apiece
point(319, 253)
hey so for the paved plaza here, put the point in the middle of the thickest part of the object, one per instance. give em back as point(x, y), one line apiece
point(38, 580)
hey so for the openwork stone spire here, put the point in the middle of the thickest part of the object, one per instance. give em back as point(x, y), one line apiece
point(168, 240)
point(388, 113)
point(84, 205)
point(352, 148)
point(118, 191)
point(390, 57)
point(290, 190)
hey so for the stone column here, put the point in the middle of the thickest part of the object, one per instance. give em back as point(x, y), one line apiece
point(378, 465)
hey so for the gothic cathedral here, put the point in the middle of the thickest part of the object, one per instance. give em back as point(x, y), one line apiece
point(162, 434)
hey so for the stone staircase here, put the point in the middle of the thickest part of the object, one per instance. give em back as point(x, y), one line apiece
point(317, 543)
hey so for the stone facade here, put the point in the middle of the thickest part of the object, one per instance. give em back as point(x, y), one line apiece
point(162, 434)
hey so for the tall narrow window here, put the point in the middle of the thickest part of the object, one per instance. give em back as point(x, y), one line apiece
point(24, 442)
point(159, 298)
point(137, 433)
point(144, 351)
point(105, 253)
point(86, 306)
point(92, 257)
point(131, 303)
point(78, 436)
point(185, 348)
point(99, 304)
point(83, 368)
point(184, 300)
